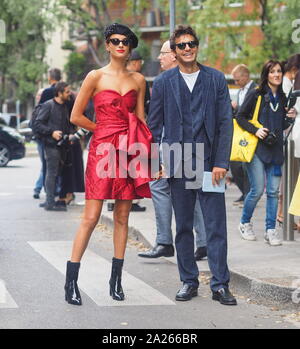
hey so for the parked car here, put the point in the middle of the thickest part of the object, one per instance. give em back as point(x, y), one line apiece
point(9, 119)
point(25, 130)
point(12, 145)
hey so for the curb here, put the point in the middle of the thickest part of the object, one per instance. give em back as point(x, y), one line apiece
point(256, 290)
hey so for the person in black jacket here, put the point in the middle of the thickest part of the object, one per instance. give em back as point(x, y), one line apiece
point(54, 76)
point(268, 158)
point(53, 123)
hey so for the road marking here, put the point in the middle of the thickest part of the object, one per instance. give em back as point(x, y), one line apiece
point(94, 276)
point(6, 300)
point(6, 194)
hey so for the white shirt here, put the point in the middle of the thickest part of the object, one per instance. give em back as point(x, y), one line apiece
point(242, 93)
point(190, 79)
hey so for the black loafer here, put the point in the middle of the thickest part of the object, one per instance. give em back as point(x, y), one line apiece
point(186, 293)
point(55, 208)
point(137, 208)
point(224, 296)
point(200, 253)
point(158, 251)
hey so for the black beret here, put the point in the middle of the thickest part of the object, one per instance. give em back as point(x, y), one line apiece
point(121, 29)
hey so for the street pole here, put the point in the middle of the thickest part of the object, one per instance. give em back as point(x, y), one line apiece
point(172, 16)
point(288, 223)
point(18, 113)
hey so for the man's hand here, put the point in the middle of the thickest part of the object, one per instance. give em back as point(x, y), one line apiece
point(218, 173)
point(161, 173)
point(57, 135)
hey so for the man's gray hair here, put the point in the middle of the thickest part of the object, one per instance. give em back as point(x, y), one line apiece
point(54, 74)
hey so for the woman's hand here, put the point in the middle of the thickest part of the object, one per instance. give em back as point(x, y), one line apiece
point(292, 113)
point(262, 133)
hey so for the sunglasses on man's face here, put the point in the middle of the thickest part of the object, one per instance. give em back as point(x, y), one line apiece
point(191, 44)
point(116, 42)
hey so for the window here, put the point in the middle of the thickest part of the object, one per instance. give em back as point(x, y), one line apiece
point(196, 4)
point(234, 3)
point(234, 44)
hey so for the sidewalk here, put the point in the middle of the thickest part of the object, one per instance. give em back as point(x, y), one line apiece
point(263, 273)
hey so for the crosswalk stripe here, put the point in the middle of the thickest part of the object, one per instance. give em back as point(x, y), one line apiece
point(6, 300)
point(94, 276)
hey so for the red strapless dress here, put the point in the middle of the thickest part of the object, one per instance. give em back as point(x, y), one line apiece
point(117, 128)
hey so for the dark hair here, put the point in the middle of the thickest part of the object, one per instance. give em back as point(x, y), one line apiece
point(60, 88)
point(265, 73)
point(292, 62)
point(121, 29)
point(182, 30)
point(54, 74)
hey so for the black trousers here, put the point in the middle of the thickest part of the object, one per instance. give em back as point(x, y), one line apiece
point(240, 176)
point(214, 214)
point(53, 161)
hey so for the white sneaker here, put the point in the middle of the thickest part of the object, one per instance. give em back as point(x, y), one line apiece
point(273, 237)
point(266, 237)
point(246, 231)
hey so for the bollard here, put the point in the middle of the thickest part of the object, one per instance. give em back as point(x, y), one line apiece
point(288, 186)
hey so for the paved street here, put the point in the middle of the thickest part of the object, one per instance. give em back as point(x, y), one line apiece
point(35, 244)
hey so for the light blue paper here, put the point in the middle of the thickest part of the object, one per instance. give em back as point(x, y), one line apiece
point(207, 185)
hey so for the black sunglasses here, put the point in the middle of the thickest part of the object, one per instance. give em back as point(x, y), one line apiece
point(191, 44)
point(116, 42)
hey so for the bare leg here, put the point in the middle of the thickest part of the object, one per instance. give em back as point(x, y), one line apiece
point(88, 223)
point(121, 214)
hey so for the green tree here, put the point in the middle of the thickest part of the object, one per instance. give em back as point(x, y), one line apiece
point(89, 18)
point(75, 67)
point(225, 33)
point(22, 55)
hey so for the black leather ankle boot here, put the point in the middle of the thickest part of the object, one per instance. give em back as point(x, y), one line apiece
point(72, 293)
point(115, 287)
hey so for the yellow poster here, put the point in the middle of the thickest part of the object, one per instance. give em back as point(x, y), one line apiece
point(295, 203)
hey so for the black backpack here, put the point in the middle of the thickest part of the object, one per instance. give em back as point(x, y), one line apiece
point(34, 115)
point(32, 123)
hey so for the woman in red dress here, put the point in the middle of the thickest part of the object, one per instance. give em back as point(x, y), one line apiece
point(118, 97)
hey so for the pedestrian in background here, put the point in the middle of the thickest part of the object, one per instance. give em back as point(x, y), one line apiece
point(72, 168)
point(241, 77)
point(265, 168)
point(54, 76)
point(52, 123)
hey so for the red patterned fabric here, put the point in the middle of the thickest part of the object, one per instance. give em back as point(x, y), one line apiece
point(117, 128)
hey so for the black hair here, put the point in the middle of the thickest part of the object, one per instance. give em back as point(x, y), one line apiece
point(60, 88)
point(292, 62)
point(182, 30)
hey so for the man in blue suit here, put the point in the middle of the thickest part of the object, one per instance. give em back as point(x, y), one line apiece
point(191, 103)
